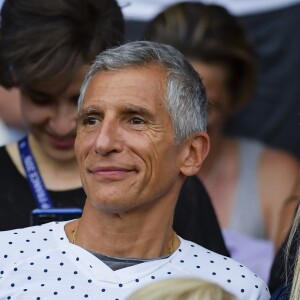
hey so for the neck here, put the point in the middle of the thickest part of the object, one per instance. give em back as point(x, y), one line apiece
point(133, 234)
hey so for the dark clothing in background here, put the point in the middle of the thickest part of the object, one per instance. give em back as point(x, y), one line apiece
point(273, 113)
point(277, 282)
point(281, 269)
point(283, 292)
point(16, 199)
point(194, 220)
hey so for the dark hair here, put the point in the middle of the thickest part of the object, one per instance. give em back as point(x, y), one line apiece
point(41, 40)
point(208, 33)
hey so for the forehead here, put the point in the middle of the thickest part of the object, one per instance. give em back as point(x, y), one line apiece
point(143, 85)
point(214, 76)
point(211, 72)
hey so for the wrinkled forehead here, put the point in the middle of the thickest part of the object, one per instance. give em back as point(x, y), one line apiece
point(143, 77)
point(140, 87)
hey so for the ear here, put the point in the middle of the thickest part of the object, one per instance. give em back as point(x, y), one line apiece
point(195, 150)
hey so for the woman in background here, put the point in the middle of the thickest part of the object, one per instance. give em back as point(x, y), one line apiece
point(247, 181)
point(45, 50)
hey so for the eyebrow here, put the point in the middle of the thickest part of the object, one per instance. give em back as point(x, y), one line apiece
point(136, 109)
point(88, 111)
point(126, 109)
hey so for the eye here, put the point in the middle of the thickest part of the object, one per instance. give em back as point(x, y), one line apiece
point(37, 98)
point(42, 101)
point(137, 121)
point(90, 121)
point(93, 121)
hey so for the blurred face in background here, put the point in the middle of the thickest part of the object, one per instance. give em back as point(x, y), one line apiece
point(215, 77)
point(51, 117)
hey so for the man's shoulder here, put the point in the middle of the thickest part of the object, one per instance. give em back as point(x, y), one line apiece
point(197, 256)
point(200, 262)
point(20, 244)
point(32, 231)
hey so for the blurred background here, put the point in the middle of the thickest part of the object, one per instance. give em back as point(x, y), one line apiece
point(273, 114)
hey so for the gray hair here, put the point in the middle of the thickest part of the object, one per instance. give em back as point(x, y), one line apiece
point(185, 97)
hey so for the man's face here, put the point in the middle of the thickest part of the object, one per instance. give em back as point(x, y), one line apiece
point(125, 144)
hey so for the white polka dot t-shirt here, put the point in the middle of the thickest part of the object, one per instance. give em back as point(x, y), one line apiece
point(40, 263)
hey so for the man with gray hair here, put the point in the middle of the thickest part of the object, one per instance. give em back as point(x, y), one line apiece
point(141, 132)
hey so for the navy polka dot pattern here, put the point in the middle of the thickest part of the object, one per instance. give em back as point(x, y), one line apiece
point(40, 263)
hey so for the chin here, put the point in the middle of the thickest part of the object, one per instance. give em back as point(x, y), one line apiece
point(111, 204)
point(62, 156)
point(115, 208)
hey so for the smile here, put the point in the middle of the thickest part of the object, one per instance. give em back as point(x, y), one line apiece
point(67, 142)
point(110, 173)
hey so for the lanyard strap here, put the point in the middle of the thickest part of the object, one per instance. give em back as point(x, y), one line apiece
point(34, 178)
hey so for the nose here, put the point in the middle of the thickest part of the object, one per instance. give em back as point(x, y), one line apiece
point(64, 120)
point(109, 139)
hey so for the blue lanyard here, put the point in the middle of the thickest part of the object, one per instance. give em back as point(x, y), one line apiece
point(34, 178)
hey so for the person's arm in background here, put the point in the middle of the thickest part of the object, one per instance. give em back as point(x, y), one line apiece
point(10, 112)
point(279, 181)
point(288, 212)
